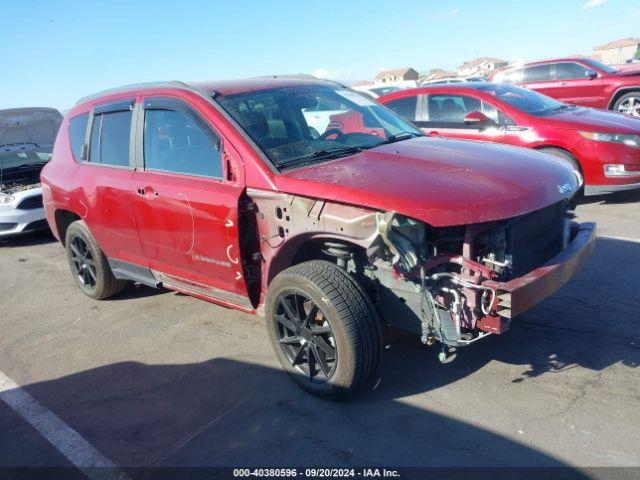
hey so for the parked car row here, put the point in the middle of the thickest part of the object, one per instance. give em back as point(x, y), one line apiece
point(322, 210)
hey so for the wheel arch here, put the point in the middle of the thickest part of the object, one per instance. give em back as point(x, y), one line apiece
point(620, 92)
point(63, 218)
point(548, 146)
point(305, 247)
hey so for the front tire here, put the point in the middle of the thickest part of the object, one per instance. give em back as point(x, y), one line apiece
point(628, 103)
point(89, 265)
point(323, 328)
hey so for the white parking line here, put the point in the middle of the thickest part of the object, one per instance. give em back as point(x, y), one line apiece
point(64, 438)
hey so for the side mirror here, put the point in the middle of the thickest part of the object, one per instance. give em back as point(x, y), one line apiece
point(478, 120)
point(591, 74)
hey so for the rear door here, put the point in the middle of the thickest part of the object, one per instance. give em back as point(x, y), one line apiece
point(105, 172)
point(185, 208)
point(573, 85)
point(540, 79)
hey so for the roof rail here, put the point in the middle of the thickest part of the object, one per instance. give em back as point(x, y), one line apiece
point(135, 86)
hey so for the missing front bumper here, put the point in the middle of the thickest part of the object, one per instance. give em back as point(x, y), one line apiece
point(520, 294)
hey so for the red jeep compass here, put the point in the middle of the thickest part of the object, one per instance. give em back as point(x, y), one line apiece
point(603, 147)
point(315, 207)
point(581, 81)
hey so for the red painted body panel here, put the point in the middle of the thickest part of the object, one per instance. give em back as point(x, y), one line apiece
point(598, 93)
point(557, 130)
point(439, 181)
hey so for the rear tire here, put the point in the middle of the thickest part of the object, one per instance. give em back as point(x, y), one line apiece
point(313, 308)
point(89, 265)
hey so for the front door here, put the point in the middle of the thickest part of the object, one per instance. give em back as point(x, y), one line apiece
point(573, 85)
point(443, 114)
point(185, 209)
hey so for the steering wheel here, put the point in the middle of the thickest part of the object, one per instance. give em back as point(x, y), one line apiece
point(331, 131)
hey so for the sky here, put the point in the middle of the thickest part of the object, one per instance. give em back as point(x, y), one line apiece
point(56, 51)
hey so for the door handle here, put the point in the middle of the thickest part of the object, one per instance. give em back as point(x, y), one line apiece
point(434, 133)
point(140, 191)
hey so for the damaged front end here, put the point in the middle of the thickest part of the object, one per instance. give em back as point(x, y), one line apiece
point(454, 285)
point(457, 285)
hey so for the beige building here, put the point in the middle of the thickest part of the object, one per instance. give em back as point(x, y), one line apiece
point(481, 66)
point(397, 75)
point(618, 51)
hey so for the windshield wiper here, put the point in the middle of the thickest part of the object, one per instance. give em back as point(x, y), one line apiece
point(25, 165)
point(398, 137)
point(322, 154)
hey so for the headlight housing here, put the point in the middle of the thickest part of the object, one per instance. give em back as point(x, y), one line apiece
point(628, 139)
point(6, 198)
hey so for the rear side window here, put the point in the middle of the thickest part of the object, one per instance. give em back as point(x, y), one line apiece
point(177, 142)
point(539, 73)
point(110, 136)
point(405, 106)
point(77, 132)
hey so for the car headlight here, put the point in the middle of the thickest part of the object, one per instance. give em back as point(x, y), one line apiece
point(629, 139)
point(6, 198)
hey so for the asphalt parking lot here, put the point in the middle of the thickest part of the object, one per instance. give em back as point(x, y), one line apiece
point(155, 378)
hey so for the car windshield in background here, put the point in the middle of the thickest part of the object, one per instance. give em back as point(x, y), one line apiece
point(526, 100)
point(384, 90)
point(296, 125)
point(13, 160)
point(599, 65)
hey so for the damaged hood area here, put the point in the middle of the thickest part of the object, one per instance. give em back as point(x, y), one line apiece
point(440, 181)
point(29, 126)
point(26, 139)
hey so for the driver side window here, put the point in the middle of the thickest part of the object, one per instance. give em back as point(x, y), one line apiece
point(449, 111)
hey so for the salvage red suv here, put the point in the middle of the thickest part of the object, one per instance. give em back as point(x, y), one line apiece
point(603, 147)
point(311, 205)
point(581, 81)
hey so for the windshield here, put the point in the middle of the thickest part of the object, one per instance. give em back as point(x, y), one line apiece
point(599, 65)
point(11, 160)
point(526, 100)
point(294, 125)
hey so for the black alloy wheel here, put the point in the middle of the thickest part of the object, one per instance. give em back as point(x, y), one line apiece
point(305, 336)
point(83, 261)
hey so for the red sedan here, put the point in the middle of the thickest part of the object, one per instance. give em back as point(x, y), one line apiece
point(603, 146)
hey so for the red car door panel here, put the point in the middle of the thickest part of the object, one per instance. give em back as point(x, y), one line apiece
point(186, 211)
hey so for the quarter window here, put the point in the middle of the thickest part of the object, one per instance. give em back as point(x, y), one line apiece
point(179, 142)
point(77, 132)
point(110, 135)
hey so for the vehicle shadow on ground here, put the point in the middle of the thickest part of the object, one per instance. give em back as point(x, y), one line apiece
point(226, 412)
point(237, 412)
point(631, 196)
point(28, 239)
